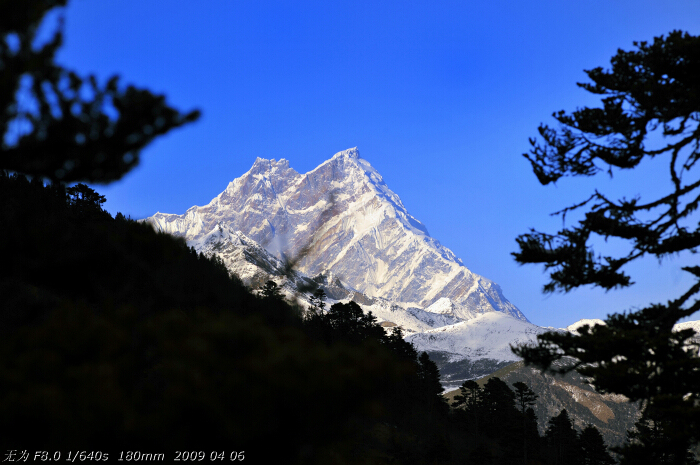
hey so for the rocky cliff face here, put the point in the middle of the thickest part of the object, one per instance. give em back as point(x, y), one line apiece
point(341, 218)
point(612, 414)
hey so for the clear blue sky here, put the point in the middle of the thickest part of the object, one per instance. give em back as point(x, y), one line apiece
point(440, 97)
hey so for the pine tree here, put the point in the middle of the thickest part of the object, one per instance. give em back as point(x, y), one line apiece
point(84, 203)
point(562, 441)
point(593, 448)
point(398, 345)
point(525, 398)
point(429, 378)
point(469, 396)
point(650, 110)
point(271, 291)
point(651, 442)
point(350, 323)
point(469, 405)
point(74, 129)
point(499, 404)
point(500, 420)
point(318, 300)
point(532, 436)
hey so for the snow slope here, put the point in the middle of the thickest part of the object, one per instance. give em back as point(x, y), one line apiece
point(487, 336)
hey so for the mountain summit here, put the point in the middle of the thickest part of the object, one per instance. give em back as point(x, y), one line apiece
point(341, 218)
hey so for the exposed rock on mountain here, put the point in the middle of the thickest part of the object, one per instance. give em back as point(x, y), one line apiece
point(612, 414)
point(251, 262)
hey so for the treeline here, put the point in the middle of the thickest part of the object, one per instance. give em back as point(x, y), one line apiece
point(116, 337)
point(498, 426)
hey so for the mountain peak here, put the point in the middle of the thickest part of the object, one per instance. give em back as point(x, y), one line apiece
point(341, 217)
point(348, 153)
point(263, 164)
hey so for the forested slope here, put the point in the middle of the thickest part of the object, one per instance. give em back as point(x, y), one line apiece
point(118, 337)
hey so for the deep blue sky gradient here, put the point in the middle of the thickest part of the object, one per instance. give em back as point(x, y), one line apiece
point(440, 97)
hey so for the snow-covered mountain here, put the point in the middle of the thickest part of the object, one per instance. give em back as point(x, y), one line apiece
point(475, 347)
point(488, 336)
point(340, 227)
point(694, 325)
point(583, 322)
point(340, 218)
